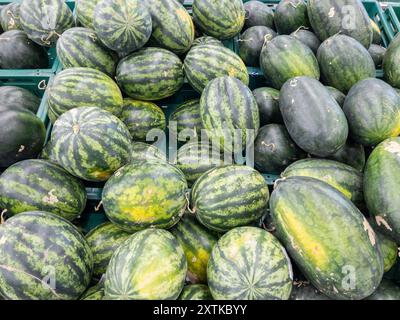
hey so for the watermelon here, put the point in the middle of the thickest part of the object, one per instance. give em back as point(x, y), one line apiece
point(339, 96)
point(143, 151)
point(285, 57)
point(84, 11)
point(81, 47)
point(195, 292)
point(90, 143)
point(352, 154)
point(188, 120)
point(341, 53)
point(94, 293)
point(173, 27)
point(197, 243)
point(44, 257)
point(319, 128)
point(83, 87)
point(249, 263)
point(221, 19)
point(150, 74)
point(22, 135)
point(9, 17)
point(372, 108)
point(389, 250)
point(290, 15)
point(251, 43)
point(141, 117)
point(229, 196)
point(39, 185)
point(274, 150)
point(17, 97)
point(381, 185)
point(376, 33)
point(377, 53)
point(150, 265)
point(347, 17)
point(306, 291)
point(346, 179)
point(195, 158)
point(45, 20)
point(103, 241)
point(327, 236)
point(122, 25)
point(268, 105)
point(391, 65)
point(206, 40)
point(308, 38)
point(387, 290)
point(17, 51)
point(258, 14)
point(145, 194)
point(207, 62)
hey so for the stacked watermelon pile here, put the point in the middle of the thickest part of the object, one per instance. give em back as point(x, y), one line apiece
point(203, 223)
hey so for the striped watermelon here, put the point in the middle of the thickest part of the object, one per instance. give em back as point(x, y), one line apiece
point(103, 241)
point(188, 120)
point(221, 19)
point(39, 185)
point(94, 293)
point(81, 47)
point(197, 243)
point(196, 292)
point(206, 40)
point(44, 257)
point(83, 87)
point(150, 74)
point(195, 158)
point(17, 97)
point(145, 194)
point(122, 25)
point(84, 11)
point(143, 151)
point(230, 196)
point(228, 111)
point(173, 27)
point(90, 143)
point(150, 265)
point(45, 20)
point(9, 17)
point(249, 263)
point(141, 117)
point(207, 62)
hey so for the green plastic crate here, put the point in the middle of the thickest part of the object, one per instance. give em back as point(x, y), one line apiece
point(392, 12)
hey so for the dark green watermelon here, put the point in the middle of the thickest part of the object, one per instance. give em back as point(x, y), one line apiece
point(308, 38)
point(150, 74)
point(17, 51)
point(290, 15)
point(387, 290)
point(339, 96)
point(44, 257)
point(188, 120)
point(251, 43)
point(306, 291)
point(372, 108)
point(344, 62)
point(389, 248)
point(39, 185)
point(143, 151)
point(391, 66)
point(285, 57)
point(17, 97)
point(258, 14)
point(195, 292)
point(9, 17)
point(328, 237)
point(352, 154)
point(268, 105)
point(274, 150)
point(206, 40)
point(319, 128)
point(377, 53)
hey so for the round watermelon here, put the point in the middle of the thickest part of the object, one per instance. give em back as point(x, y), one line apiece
point(195, 292)
point(150, 265)
point(389, 250)
point(308, 38)
point(377, 53)
point(268, 104)
point(258, 14)
point(84, 11)
point(339, 96)
point(206, 40)
point(352, 154)
point(17, 97)
point(187, 119)
point(9, 17)
point(391, 68)
point(143, 151)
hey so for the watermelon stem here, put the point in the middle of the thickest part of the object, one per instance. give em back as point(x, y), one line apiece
point(2, 219)
point(277, 181)
point(192, 211)
point(97, 208)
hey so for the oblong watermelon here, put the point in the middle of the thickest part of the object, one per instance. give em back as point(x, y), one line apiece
point(143, 151)
point(372, 108)
point(285, 57)
point(249, 263)
point(221, 19)
point(197, 242)
point(258, 14)
point(44, 257)
point(9, 17)
point(150, 74)
point(196, 292)
point(81, 47)
point(45, 20)
point(207, 62)
point(90, 143)
point(308, 38)
point(103, 241)
point(391, 67)
point(188, 120)
point(381, 185)
point(268, 105)
point(291, 15)
point(319, 129)
point(145, 194)
point(17, 97)
point(39, 185)
point(327, 236)
point(339, 53)
point(154, 268)
point(229, 196)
